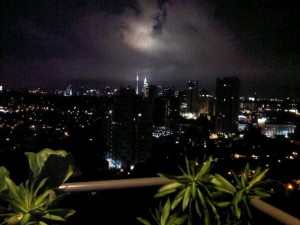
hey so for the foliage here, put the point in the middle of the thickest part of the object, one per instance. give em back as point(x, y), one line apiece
point(33, 201)
point(162, 216)
point(249, 184)
point(204, 198)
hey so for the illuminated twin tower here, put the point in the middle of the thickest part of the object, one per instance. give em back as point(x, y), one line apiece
point(145, 89)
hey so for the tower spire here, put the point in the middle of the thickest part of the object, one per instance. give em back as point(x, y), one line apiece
point(137, 83)
point(146, 88)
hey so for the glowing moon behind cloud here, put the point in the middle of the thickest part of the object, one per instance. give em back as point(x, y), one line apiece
point(139, 36)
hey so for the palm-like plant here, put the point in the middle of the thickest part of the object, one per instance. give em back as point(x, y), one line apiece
point(163, 216)
point(248, 185)
point(203, 198)
point(194, 192)
point(32, 202)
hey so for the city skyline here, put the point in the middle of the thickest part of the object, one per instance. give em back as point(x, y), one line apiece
point(99, 43)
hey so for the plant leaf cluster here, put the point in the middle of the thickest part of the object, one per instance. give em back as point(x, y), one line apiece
point(33, 201)
point(248, 185)
point(199, 197)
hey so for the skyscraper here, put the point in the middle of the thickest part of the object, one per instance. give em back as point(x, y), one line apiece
point(193, 97)
point(227, 105)
point(146, 88)
point(137, 84)
point(129, 128)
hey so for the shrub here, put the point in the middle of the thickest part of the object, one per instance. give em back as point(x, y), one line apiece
point(33, 201)
point(199, 197)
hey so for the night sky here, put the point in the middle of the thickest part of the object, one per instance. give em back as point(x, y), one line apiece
point(54, 43)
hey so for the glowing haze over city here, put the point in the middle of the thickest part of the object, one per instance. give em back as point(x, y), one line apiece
point(52, 44)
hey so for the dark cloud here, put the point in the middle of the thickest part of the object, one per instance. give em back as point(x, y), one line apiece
point(170, 42)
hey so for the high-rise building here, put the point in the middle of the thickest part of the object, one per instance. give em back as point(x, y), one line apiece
point(193, 97)
point(227, 105)
point(137, 84)
point(205, 103)
point(146, 88)
point(166, 113)
point(130, 124)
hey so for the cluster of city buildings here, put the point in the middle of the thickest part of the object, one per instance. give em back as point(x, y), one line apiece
point(132, 117)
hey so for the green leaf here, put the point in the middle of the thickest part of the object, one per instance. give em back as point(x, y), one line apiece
point(187, 164)
point(16, 199)
point(186, 198)
point(177, 199)
point(223, 190)
point(167, 176)
point(143, 221)
point(202, 199)
point(237, 210)
point(171, 220)
point(181, 220)
point(193, 190)
point(257, 171)
point(239, 196)
point(12, 188)
point(165, 213)
point(42, 200)
point(223, 204)
point(205, 168)
point(207, 217)
point(53, 217)
point(173, 185)
point(220, 181)
point(55, 168)
point(164, 193)
point(243, 180)
point(214, 210)
point(39, 187)
point(247, 208)
point(25, 219)
point(185, 175)
point(237, 180)
point(33, 163)
point(3, 174)
point(258, 178)
point(198, 209)
point(25, 195)
point(261, 192)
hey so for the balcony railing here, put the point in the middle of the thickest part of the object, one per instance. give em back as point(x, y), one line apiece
point(260, 205)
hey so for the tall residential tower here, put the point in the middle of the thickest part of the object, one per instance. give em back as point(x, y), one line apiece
point(227, 105)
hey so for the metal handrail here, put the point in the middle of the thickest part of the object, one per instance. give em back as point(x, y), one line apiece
point(262, 206)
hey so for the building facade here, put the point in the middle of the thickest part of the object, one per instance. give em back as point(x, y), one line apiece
point(227, 105)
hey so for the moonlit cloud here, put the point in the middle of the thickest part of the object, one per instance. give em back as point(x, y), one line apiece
point(166, 41)
point(169, 43)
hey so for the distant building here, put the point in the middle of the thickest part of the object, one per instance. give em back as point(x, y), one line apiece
point(130, 128)
point(68, 91)
point(193, 97)
point(227, 105)
point(206, 103)
point(153, 91)
point(168, 91)
point(146, 88)
point(273, 130)
point(166, 113)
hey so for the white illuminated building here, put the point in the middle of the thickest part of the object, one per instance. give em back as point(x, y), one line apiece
point(275, 129)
